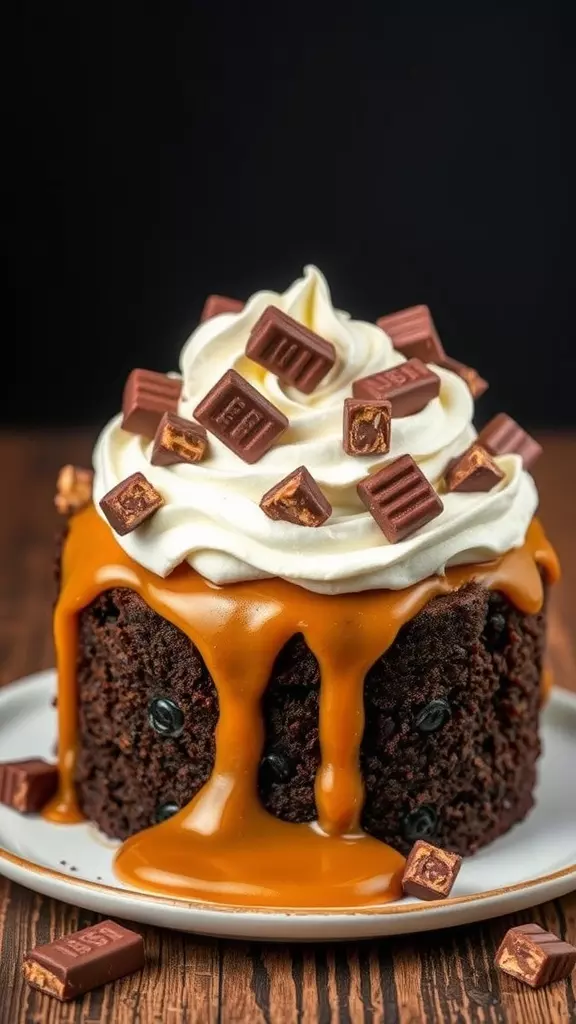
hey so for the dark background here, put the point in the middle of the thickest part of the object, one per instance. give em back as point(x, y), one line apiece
point(413, 158)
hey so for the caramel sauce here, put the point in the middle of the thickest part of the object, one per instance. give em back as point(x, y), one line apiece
point(223, 846)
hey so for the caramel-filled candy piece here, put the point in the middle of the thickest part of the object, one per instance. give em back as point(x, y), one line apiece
point(400, 498)
point(473, 471)
point(430, 872)
point(286, 348)
point(147, 396)
point(130, 503)
point(73, 489)
point(535, 956)
point(297, 499)
point(476, 384)
point(408, 387)
point(366, 429)
point(413, 333)
point(239, 416)
point(178, 440)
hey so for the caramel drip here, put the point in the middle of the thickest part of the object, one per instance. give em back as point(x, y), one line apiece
point(223, 846)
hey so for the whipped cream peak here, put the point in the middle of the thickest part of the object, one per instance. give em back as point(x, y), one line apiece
point(211, 517)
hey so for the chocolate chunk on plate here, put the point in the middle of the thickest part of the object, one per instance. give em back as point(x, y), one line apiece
point(178, 440)
point(147, 396)
point(216, 304)
point(502, 436)
point(473, 471)
point(297, 499)
point(408, 387)
point(430, 872)
point(27, 785)
point(239, 416)
point(535, 956)
point(296, 355)
point(84, 960)
point(130, 503)
point(366, 429)
point(400, 498)
point(413, 333)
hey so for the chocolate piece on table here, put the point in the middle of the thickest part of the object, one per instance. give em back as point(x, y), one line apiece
point(178, 440)
point(366, 426)
point(400, 498)
point(27, 785)
point(297, 499)
point(239, 416)
point(216, 304)
point(473, 471)
point(130, 503)
point(77, 963)
point(476, 384)
point(408, 387)
point(147, 396)
point(296, 355)
point(430, 872)
point(413, 333)
point(73, 489)
point(535, 956)
point(503, 436)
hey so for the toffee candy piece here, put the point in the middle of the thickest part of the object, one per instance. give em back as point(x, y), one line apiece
point(408, 387)
point(297, 499)
point(502, 435)
point(366, 426)
point(400, 498)
point(178, 440)
point(473, 471)
point(430, 872)
point(296, 355)
point(413, 333)
point(77, 963)
point(147, 396)
point(27, 785)
point(130, 503)
point(239, 416)
point(535, 956)
point(476, 384)
point(73, 489)
point(216, 304)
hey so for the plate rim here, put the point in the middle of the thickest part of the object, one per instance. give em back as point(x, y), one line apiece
point(559, 699)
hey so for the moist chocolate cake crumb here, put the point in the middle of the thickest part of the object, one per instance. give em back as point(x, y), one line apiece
point(462, 782)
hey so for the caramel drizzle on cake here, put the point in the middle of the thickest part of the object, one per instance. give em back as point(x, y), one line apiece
point(223, 846)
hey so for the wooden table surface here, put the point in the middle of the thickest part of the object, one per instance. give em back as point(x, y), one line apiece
point(444, 976)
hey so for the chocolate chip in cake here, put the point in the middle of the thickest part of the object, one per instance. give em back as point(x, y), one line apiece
point(165, 811)
point(165, 717)
point(433, 716)
point(276, 767)
point(421, 823)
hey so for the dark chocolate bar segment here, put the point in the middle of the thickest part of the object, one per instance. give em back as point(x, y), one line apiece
point(297, 499)
point(178, 440)
point(408, 387)
point(473, 471)
point(400, 498)
point(147, 396)
point(430, 872)
point(296, 355)
point(27, 785)
point(130, 503)
point(413, 333)
point(502, 436)
point(476, 384)
point(535, 956)
point(80, 962)
point(239, 416)
point(366, 428)
point(216, 304)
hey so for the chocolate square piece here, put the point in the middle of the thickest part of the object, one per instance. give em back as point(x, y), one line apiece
point(408, 387)
point(130, 503)
point(239, 416)
point(503, 436)
point(476, 384)
point(297, 499)
point(400, 498)
point(535, 956)
point(294, 354)
point(413, 333)
point(474, 470)
point(147, 396)
point(366, 426)
point(178, 440)
point(216, 304)
point(77, 963)
point(430, 872)
point(73, 489)
point(27, 785)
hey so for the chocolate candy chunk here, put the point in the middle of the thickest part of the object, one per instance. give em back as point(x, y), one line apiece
point(502, 435)
point(297, 499)
point(288, 349)
point(130, 503)
point(216, 304)
point(430, 872)
point(413, 333)
point(366, 426)
point(147, 396)
point(73, 489)
point(476, 384)
point(165, 717)
point(178, 440)
point(474, 470)
point(241, 417)
point(535, 956)
point(27, 785)
point(400, 498)
point(408, 387)
point(77, 963)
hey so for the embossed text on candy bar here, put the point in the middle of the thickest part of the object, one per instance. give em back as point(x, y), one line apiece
point(408, 387)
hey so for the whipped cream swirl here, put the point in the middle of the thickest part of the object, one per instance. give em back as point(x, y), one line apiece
point(212, 519)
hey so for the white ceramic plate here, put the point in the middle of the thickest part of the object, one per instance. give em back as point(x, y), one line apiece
point(536, 861)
